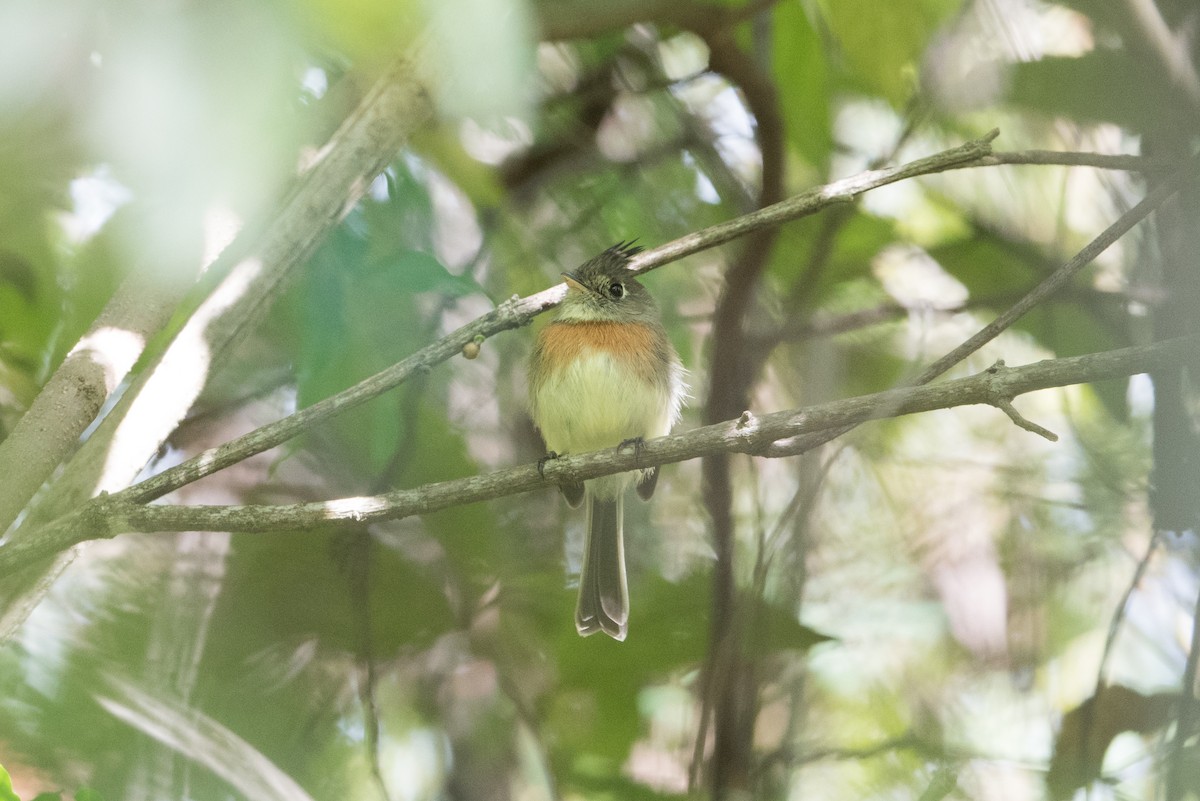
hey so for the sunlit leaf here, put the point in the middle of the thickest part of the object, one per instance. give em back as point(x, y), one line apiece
point(370, 29)
point(6, 788)
point(802, 77)
point(883, 42)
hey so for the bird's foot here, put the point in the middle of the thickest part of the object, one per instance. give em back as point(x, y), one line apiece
point(633, 442)
point(541, 464)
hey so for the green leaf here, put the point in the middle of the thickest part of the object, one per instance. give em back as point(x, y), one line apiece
point(279, 593)
point(6, 788)
point(777, 629)
point(1100, 86)
point(856, 241)
point(802, 75)
point(944, 782)
point(420, 272)
point(357, 318)
point(668, 633)
point(997, 270)
point(883, 42)
point(874, 366)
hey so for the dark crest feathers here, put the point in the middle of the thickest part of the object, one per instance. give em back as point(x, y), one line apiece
point(625, 250)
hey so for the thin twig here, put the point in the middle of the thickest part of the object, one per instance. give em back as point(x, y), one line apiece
point(517, 312)
point(109, 515)
point(1074, 159)
point(1004, 404)
point(1114, 626)
point(510, 314)
point(1051, 284)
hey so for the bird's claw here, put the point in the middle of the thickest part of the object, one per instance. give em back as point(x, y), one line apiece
point(541, 464)
point(636, 443)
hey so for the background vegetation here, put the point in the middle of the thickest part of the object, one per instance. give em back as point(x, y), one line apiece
point(929, 606)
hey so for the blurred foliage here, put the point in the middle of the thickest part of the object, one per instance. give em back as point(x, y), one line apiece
point(924, 602)
point(7, 794)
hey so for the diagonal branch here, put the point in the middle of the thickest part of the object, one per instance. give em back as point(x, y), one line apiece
point(517, 312)
point(253, 271)
point(1051, 284)
point(68, 403)
point(110, 515)
point(255, 268)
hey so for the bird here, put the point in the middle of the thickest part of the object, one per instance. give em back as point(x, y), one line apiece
point(604, 374)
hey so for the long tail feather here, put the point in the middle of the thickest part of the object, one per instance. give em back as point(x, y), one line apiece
point(603, 590)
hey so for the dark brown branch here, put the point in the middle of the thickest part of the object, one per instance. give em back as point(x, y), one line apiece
point(729, 689)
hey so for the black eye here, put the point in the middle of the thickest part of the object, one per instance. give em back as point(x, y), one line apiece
point(617, 290)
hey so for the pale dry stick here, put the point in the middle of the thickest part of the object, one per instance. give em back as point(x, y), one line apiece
point(1050, 158)
point(517, 312)
point(76, 392)
point(254, 272)
point(108, 516)
point(1051, 284)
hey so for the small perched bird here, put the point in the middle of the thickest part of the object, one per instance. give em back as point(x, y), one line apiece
point(602, 375)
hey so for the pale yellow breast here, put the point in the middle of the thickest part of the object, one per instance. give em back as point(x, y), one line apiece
point(598, 384)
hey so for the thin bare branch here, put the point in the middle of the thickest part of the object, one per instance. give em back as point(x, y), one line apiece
point(517, 312)
point(1073, 159)
point(812, 201)
point(1051, 284)
point(110, 515)
point(1021, 421)
point(253, 270)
